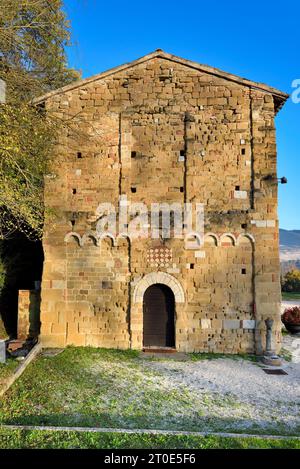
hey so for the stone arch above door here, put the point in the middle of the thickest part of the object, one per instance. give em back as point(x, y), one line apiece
point(158, 277)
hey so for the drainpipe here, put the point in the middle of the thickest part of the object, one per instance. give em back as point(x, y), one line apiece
point(129, 295)
point(257, 342)
point(120, 155)
point(188, 118)
point(252, 204)
point(257, 338)
point(185, 158)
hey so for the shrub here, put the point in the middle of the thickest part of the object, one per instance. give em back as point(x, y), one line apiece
point(291, 315)
point(291, 281)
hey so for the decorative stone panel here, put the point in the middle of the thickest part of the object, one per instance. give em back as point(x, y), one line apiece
point(159, 257)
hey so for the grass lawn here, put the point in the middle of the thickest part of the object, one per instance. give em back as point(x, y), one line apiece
point(7, 369)
point(17, 439)
point(90, 387)
point(290, 296)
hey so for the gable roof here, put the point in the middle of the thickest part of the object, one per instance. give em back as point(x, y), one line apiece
point(279, 96)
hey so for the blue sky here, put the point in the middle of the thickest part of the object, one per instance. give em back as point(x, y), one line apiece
point(258, 40)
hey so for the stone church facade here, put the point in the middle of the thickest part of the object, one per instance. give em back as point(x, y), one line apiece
point(160, 130)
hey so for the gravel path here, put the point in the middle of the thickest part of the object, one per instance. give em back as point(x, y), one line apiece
point(291, 343)
point(265, 401)
point(241, 378)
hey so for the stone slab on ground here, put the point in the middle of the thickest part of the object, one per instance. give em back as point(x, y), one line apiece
point(2, 351)
point(15, 344)
point(148, 431)
point(181, 356)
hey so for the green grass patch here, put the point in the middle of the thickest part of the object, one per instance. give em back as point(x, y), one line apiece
point(291, 296)
point(34, 439)
point(286, 354)
point(7, 369)
point(89, 387)
point(213, 356)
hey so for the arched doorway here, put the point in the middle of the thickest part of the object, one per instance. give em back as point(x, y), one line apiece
point(158, 316)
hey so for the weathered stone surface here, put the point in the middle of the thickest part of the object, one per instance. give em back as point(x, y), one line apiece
point(248, 324)
point(2, 351)
point(23, 314)
point(29, 314)
point(231, 324)
point(272, 360)
point(205, 323)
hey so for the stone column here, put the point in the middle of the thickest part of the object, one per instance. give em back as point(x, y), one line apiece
point(23, 314)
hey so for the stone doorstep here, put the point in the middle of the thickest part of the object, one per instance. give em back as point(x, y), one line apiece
point(174, 355)
point(154, 349)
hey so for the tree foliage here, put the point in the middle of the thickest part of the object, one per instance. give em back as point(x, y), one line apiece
point(25, 140)
point(33, 37)
point(291, 281)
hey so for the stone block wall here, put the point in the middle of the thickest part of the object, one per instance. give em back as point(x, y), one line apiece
point(28, 313)
point(163, 131)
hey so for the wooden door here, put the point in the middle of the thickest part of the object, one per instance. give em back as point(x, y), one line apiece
point(159, 317)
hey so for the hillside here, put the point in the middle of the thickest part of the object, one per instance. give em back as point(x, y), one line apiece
point(289, 249)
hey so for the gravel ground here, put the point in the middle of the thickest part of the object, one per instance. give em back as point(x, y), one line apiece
point(241, 378)
point(260, 398)
point(289, 303)
point(291, 344)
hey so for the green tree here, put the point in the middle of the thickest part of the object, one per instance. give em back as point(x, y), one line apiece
point(33, 37)
point(291, 281)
